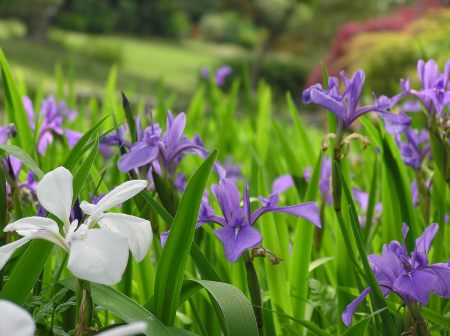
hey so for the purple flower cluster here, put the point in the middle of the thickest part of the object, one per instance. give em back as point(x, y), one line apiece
point(162, 151)
point(435, 87)
point(220, 75)
point(237, 233)
point(51, 117)
point(345, 105)
point(415, 148)
point(409, 276)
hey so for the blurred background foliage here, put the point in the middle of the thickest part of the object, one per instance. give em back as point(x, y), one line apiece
point(170, 41)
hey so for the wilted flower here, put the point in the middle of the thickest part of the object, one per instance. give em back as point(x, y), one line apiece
point(414, 150)
point(409, 276)
point(98, 255)
point(237, 233)
point(345, 105)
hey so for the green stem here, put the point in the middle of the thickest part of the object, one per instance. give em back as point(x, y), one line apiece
point(254, 289)
point(84, 308)
point(415, 324)
point(424, 195)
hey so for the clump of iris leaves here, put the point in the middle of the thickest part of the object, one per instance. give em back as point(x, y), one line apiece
point(118, 218)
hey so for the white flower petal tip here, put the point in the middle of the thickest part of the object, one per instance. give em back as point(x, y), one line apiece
point(98, 255)
point(118, 195)
point(132, 329)
point(138, 231)
point(55, 193)
point(14, 320)
point(6, 251)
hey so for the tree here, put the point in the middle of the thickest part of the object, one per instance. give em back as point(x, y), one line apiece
point(35, 14)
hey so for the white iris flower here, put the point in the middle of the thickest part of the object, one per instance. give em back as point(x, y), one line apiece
point(95, 254)
point(14, 320)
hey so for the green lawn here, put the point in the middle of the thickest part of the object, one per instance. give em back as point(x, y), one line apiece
point(141, 62)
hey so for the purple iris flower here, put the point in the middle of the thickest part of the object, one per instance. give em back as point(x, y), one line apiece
point(7, 132)
point(325, 180)
point(435, 90)
point(362, 198)
point(414, 150)
point(237, 233)
point(345, 105)
point(409, 276)
point(30, 183)
point(116, 138)
point(164, 149)
point(221, 74)
point(180, 182)
point(53, 114)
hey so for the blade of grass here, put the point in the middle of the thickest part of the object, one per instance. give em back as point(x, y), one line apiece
point(172, 264)
point(24, 157)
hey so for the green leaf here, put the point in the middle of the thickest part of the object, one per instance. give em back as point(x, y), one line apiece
point(123, 307)
point(15, 108)
point(3, 202)
point(83, 172)
point(302, 249)
point(130, 118)
point(172, 264)
point(24, 157)
point(81, 146)
point(378, 298)
point(435, 317)
point(235, 310)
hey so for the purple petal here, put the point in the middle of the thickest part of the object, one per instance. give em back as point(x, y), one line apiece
point(362, 198)
point(427, 72)
point(282, 183)
point(228, 197)
point(308, 211)
point(139, 155)
point(236, 241)
point(317, 95)
point(423, 243)
point(417, 284)
point(175, 131)
point(441, 285)
point(351, 308)
point(28, 105)
point(72, 137)
point(394, 123)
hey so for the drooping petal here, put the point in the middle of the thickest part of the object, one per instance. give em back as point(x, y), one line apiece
point(351, 308)
point(394, 123)
point(417, 284)
point(118, 195)
point(29, 225)
point(15, 321)
point(236, 240)
point(441, 285)
point(138, 231)
point(139, 155)
point(282, 183)
point(317, 95)
point(6, 251)
point(73, 137)
point(55, 193)
point(308, 211)
point(135, 328)
point(98, 255)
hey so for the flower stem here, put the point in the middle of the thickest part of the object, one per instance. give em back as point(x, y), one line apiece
point(84, 308)
point(254, 289)
point(415, 324)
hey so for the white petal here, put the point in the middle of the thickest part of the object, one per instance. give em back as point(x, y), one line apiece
point(6, 251)
point(87, 207)
point(137, 230)
point(14, 320)
point(55, 192)
point(135, 328)
point(29, 225)
point(119, 195)
point(99, 256)
point(38, 228)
